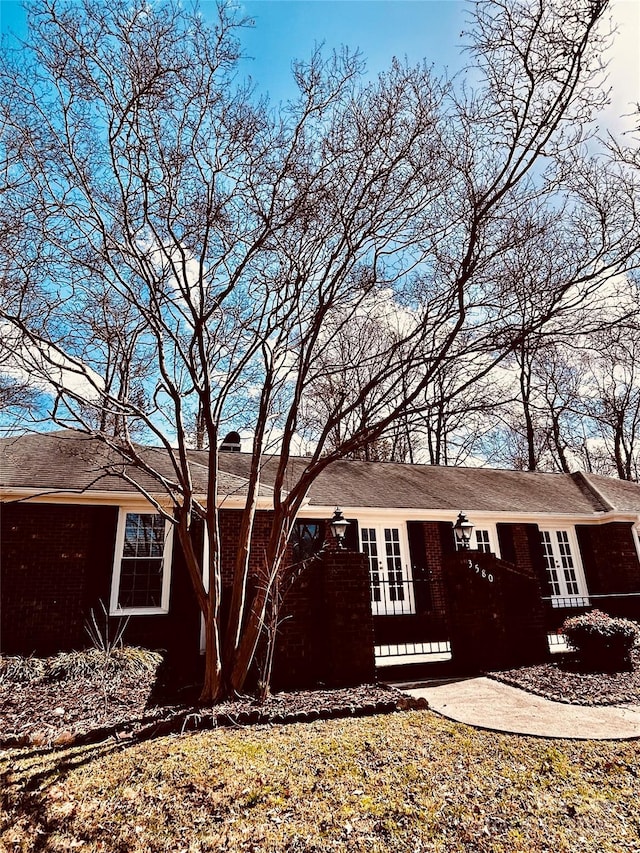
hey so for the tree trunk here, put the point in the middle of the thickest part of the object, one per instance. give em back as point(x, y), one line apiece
point(213, 687)
point(245, 653)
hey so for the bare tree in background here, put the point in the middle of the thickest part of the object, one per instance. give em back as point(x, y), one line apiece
point(197, 256)
point(571, 400)
point(611, 400)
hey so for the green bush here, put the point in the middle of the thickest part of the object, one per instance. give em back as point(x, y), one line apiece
point(601, 642)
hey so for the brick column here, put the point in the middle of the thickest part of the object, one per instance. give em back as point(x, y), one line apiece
point(326, 631)
point(346, 632)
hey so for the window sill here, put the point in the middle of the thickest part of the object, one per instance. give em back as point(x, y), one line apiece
point(140, 611)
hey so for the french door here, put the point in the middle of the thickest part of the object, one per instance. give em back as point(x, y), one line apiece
point(391, 583)
point(564, 572)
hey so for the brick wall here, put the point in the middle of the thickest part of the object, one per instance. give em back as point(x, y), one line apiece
point(348, 635)
point(520, 546)
point(230, 520)
point(438, 543)
point(326, 636)
point(57, 563)
point(56, 566)
point(610, 563)
point(496, 617)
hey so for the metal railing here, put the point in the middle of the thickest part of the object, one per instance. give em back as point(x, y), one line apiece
point(403, 597)
point(587, 600)
point(413, 650)
point(407, 597)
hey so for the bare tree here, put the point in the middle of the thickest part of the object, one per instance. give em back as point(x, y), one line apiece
point(611, 400)
point(200, 257)
point(571, 400)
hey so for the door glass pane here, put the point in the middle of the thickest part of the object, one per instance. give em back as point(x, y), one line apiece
point(370, 548)
point(394, 563)
point(391, 585)
point(566, 561)
point(550, 563)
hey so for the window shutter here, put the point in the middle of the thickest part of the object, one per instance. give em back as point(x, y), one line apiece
point(505, 540)
point(419, 567)
point(447, 538)
point(417, 553)
point(537, 558)
point(352, 536)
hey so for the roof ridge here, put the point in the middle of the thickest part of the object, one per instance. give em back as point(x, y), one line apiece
point(591, 490)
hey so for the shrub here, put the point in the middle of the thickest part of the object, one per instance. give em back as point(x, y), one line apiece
point(128, 660)
point(600, 640)
point(18, 669)
point(90, 663)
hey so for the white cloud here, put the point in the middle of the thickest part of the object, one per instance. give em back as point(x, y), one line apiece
point(46, 369)
point(623, 59)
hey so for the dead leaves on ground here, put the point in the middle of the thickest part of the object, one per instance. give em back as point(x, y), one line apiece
point(402, 782)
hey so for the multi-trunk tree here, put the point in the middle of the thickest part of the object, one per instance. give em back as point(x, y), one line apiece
point(199, 258)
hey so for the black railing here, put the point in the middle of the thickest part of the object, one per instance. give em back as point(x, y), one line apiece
point(432, 648)
point(392, 597)
point(618, 601)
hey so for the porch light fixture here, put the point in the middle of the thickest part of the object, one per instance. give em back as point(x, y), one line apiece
point(463, 529)
point(338, 525)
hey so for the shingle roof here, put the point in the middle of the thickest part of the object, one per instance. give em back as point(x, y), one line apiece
point(433, 487)
point(443, 488)
point(68, 461)
point(620, 495)
point(72, 462)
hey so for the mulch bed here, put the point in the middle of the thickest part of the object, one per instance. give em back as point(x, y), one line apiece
point(565, 681)
point(61, 713)
point(43, 712)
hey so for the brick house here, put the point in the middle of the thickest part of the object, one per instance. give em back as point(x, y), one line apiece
point(74, 534)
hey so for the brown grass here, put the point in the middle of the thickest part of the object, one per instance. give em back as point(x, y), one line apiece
point(402, 782)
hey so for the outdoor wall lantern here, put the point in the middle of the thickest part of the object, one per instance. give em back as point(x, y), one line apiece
point(463, 530)
point(338, 525)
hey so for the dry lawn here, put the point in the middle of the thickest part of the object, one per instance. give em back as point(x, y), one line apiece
point(402, 782)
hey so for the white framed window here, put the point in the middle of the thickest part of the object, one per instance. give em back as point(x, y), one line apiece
point(142, 564)
point(564, 568)
point(387, 550)
point(482, 539)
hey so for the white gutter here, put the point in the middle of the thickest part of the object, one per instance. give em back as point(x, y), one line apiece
point(96, 497)
point(414, 514)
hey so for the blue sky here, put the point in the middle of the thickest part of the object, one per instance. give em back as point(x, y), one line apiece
point(288, 29)
point(381, 29)
point(419, 29)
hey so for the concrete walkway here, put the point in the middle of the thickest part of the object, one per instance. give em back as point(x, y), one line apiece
point(489, 704)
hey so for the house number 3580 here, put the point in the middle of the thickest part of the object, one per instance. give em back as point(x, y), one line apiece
point(480, 571)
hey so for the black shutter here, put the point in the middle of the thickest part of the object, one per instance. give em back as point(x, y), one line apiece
point(537, 558)
point(505, 540)
point(419, 568)
point(352, 536)
point(417, 554)
point(447, 538)
point(589, 561)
